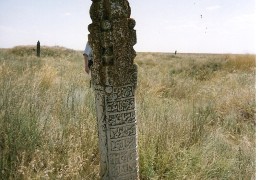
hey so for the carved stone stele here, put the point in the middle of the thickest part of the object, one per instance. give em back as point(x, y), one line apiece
point(114, 78)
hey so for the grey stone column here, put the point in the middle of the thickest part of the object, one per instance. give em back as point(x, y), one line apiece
point(114, 78)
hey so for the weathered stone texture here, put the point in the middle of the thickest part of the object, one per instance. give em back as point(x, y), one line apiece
point(114, 77)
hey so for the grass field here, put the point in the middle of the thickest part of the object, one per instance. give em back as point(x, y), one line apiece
point(195, 112)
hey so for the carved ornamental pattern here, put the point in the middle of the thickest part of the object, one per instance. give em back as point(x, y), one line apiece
point(114, 77)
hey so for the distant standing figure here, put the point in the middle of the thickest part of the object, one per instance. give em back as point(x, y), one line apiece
point(88, 58)
point(175, 52)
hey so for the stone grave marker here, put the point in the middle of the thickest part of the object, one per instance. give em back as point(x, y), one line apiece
point(38, 49)
point(114, 79)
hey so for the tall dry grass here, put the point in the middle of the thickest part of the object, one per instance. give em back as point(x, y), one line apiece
point(196, 116)
point(47, 120)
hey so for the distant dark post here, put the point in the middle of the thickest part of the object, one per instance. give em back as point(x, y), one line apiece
point(38, 49)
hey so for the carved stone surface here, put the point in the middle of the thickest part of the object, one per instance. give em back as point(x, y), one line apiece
point(114, 77)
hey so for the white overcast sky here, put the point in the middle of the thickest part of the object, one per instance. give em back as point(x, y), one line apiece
point(198, 26)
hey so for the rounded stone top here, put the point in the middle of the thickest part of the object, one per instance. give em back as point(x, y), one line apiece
point(110, 9)
point(96, 11)
point(119, 9)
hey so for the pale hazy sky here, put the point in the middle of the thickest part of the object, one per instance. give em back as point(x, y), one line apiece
point(210, 26)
